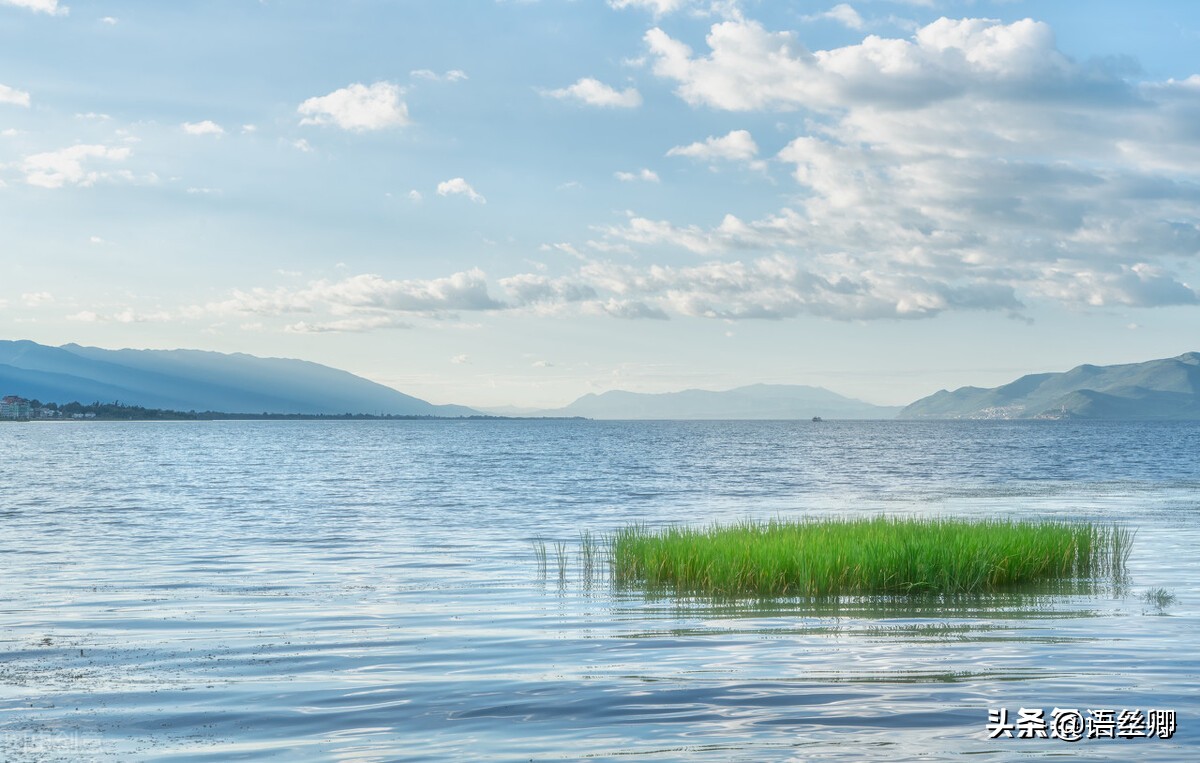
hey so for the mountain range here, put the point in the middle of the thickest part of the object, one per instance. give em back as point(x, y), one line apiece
point(757, 401)
point(194, 380)
point(1168, 388)
point(187, 380)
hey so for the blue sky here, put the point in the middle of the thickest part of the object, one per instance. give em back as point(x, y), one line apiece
point(520, 202)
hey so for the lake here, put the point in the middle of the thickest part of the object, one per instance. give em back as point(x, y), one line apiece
point(368, 591)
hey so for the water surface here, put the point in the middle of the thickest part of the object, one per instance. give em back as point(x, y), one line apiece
point(367, 591)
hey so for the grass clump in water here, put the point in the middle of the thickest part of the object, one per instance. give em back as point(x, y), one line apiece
point(539, 554)
point(872, 556)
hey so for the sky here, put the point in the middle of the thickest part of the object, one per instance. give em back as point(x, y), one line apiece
point(518, 202)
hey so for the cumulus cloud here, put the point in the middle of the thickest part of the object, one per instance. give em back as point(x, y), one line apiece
point(768, 287)
point(975, 152)
point(459, 187)
point(738, 145)
point(13, 96)
point(593, 92)
point(632, 310)
point(55, 169)
point(39, 6)
point(772, 287)
point(641, 230)
point(645, 175)
point(466, 290)
point(535, 288)
point(207, 127)
point(972, 166)
point(750, 68)
point(842, 13)
point(357, 107)
point(1138, 285)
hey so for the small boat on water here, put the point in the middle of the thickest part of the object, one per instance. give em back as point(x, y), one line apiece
point(817, 418)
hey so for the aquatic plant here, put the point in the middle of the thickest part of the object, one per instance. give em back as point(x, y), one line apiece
point(539, 555)
point(589, 552)
point(560, 557)
point(881, 555)
point(1160, 598)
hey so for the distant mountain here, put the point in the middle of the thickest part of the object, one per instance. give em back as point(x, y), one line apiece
point(758, 401)
point(1157, 389)
point(187, 380)
point(516, 411)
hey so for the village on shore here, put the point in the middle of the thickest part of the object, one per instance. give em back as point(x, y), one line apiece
point(14, 408)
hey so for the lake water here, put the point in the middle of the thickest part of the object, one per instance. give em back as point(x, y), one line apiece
point(368, 591)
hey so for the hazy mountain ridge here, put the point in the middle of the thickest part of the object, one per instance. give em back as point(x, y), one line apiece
point(196, 380)
point(187, 380)
point(1167, 388)
point(756, 401)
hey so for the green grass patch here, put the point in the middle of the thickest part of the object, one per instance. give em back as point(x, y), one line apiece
point(874, 556)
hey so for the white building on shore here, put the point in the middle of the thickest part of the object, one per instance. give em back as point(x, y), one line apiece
point(13, 407)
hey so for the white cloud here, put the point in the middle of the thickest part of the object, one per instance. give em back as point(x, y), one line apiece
point(56, 169)
point(459, 187)
point(37, 298)
point(972, 166)
point(632, 310)
point(414, 196)
point(779, 286)
point(300, 144)
point(453, 75)
point(1138, 285)
point(564, 247)
point(751, 68)
point(123, 315)
point(358, 107)
point(738, 145)
point(842, 13)
point(355, 325)
point(640, 230)
point(462, 291)
point(207, 127)
point(646, 175)
point(769, 287)
point(109, 20)
point(973, 153)
point(459, 360)
point(593, 92)
point(534, 288)
point(13, 96)
point(40, 6)
point(657, 7)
